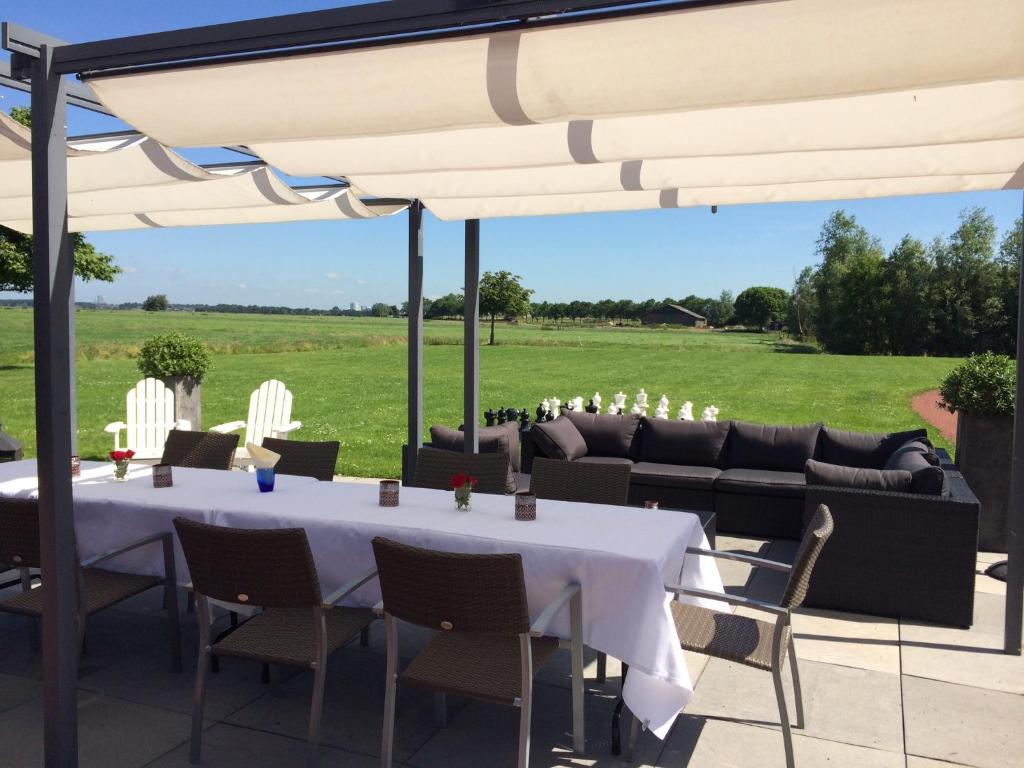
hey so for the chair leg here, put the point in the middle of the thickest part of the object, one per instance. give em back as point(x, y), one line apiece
point(797, 693)
point(390, 684)
point(440, 710)
point(787, 735)
point(196, 746)
point(526, 700)
point(190, 603)
point(364, 637)
point(634, 734)
point(316, 712)
point(576, 650)
point(602, 667)
point(171, 604)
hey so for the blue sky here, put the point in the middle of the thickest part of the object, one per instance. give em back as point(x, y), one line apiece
point(626, 255)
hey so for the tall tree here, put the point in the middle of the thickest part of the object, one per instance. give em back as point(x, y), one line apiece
point(801, 320)
point(502, 294)
point(907, 305)
point(155, 303)
point(761, 306)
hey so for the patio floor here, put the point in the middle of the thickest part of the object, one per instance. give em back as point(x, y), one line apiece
point(878, 692)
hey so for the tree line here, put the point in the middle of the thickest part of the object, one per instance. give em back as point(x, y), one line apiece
point(953, 296)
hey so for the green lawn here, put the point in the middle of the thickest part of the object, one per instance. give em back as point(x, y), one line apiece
point(348, 375)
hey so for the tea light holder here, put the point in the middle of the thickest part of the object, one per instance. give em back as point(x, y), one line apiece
point(526, 506)
point(389, 493)
point(76, 466)
point(650, 504)
point(162, 477)
point(265, 479)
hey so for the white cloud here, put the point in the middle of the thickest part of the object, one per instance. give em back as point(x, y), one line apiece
point(243, 286)
point(333, 275)
point(128, 268)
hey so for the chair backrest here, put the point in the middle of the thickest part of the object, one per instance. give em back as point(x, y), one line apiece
point(435, 468)
point(199, 450)
point(269, 406)
point(272, 567)
point(453, 591)
point(19, 533)
point(815, 537)
point(576, 481)
point(150, 415)
point(306, 458)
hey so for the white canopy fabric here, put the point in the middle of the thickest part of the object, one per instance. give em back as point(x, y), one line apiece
point(749, 103)
point(339, 205)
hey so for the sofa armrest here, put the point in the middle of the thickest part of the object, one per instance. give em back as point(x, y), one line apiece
point(959, 490)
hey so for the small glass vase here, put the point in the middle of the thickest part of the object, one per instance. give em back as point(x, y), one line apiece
point(120, 471)
point(265, 479)
point(463, 501)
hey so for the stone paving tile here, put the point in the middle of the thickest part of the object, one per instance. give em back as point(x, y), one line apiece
point(18, 690)
point(707, 743)
point(866, 642)
point(853, 706)
point(924, 762)
point(111, 733)
point(988, 585)
point(961, 724)
point(970, 658)
point(228, 746)
point(353, 707)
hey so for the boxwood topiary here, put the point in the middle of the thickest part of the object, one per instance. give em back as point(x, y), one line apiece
point(174, 354)
point(982, 385)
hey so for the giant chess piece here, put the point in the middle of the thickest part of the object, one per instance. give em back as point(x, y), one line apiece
point(524, 420)
point(641, 402)
point(593, 407)
point(502, 417)
point(597, 402)
point(710, 414)
point(686, 411)
point(489, 417)
point(511, 414)
point(542, 411)
point(661, 412)
point(620, 402)
point(556, 408)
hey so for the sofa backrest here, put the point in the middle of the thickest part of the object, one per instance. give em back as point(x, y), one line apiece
point(772, 447)
point(865, 450)
point(503, 438)
point(689, 443)
point(608, 434)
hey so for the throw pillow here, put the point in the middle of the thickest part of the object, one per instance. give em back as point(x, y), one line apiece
point(822, 473)
point(864, 449)
point(926, 477)
point(559, 439)
point(607, 434)
point(769, 446)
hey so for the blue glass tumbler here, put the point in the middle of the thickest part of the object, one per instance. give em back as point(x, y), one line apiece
point(265, 479)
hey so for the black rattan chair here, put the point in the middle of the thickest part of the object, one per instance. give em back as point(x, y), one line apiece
point(435, 468)
point(199, 450)
point(485, 648)
point(98, 588)
point(744, 640)
point(272, 569)
point(309, 459)
point(580, 481)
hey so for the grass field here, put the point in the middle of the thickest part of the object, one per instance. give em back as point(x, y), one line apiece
point(348, 375)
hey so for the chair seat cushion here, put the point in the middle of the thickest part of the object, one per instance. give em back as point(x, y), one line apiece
point(474, 665)
point(607, 460)
point(763, 482)
point(674, 475)
point(726, 635)
point(286, 635)
point(102, 589)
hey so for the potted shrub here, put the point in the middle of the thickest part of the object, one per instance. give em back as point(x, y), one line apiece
point(981, 392)
point(180, 361)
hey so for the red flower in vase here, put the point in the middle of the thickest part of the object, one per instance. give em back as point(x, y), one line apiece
point(119, 456)
point(463, 481)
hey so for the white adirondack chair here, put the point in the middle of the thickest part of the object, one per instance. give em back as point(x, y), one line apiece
point(150, 418)
point(270, 415)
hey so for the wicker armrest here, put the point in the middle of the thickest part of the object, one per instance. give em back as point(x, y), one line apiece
point(759, 562)
point(92, 561)
point(348, 588)
point(540, 626)
point(725, 597)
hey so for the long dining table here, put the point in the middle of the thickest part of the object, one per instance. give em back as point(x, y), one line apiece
point(620, 556)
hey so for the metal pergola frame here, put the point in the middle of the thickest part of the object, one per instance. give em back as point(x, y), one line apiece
point(38, 64)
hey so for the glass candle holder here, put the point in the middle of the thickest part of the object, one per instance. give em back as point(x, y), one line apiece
point(162, 477)
point(76, 466)
point(265, 479)
point(650, 504)
point(389, 493)
point(526, 506)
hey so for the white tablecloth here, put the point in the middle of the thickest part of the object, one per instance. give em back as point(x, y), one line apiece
point(621, 557)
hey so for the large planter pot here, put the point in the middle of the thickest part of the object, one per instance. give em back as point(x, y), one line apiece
point(984, 450)
point(188, 402)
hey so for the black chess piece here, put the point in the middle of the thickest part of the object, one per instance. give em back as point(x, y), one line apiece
point(540, 412)
point(501, 416)
point(511, 414)
point(591, 408)
point(524, 419)
point(489, 417)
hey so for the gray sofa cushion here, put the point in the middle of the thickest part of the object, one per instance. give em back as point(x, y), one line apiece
point(674, 475)
point(768, 446)
point(822, 473)
point(503, 437)
point(607, 434)
point(614, 460)
point(925, 476)
point(698, 443)
point(863, 449)
point(762, 482)
point(559, 439)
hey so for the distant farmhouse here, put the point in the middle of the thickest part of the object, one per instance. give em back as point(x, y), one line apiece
point(673, 314)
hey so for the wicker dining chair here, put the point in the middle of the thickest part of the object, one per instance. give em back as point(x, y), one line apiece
point(98, 588)
point(580, 481)
point(199, 450)
point(306, 458)
point(485, 648)
point(435, 468)
point(752, 642)
point(272, 569)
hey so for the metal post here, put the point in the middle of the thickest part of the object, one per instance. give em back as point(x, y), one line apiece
point(53, 274)
point(1015, 523)
point(415, 363)
point(471, 341)
point(72, 363)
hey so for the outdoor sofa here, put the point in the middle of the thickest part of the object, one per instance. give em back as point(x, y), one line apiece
point(906, 522)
